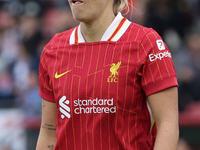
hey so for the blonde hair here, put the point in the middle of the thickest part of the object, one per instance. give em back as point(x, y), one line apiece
point(120, 5)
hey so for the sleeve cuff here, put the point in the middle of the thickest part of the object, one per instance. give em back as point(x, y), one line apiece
point(46, 95)
point(159, 86)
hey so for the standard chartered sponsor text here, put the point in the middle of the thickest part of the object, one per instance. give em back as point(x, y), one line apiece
point(94, 106)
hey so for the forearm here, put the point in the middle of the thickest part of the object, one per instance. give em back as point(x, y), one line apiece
point(46, 141)
point(47, 138)
point(167, 136)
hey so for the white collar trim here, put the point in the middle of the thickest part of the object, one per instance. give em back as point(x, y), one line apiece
point(109, 32)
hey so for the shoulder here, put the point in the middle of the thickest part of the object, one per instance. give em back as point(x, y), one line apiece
point(58, 40)
point(148, 38)
point(139, 33)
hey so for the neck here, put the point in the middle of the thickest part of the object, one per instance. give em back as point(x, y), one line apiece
point(93, 31)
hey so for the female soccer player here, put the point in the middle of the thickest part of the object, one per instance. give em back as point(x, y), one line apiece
point(103, 82)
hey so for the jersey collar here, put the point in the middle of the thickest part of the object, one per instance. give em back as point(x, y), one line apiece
point(114, 32)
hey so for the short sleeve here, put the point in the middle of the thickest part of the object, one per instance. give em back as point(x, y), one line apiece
point(158, 70)
point(45, 88)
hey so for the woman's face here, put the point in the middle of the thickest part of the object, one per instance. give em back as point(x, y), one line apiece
point(88, 10)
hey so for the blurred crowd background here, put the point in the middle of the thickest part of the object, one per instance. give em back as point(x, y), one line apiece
point(27, 25)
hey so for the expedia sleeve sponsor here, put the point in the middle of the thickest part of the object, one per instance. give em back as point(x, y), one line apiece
point(159, 56)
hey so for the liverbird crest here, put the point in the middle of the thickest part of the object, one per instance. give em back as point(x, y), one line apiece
point(114, 71)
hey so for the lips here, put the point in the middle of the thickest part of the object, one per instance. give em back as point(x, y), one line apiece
point(76, 2)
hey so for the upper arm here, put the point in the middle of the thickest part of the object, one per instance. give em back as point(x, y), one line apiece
point(49, 115)
point(164, 105)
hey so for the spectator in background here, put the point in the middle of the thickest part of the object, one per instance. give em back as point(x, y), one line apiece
point(6, 86)
point(167, 14)
point(31, 101)
point(9, 49)
point(10, 39)
point(24, 31)
point(187, 63)
point(31, 33)
point(57, 20)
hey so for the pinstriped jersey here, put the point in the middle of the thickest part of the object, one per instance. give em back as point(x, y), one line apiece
point(100, 88)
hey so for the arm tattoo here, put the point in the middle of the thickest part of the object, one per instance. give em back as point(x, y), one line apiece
point(48, 126)
point(51, 147)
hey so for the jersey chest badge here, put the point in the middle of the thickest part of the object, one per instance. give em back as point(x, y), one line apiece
point(114, 74)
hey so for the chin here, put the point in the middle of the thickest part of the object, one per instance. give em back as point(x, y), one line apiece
point(80, 15)
point(80, 18)
point(77, 16)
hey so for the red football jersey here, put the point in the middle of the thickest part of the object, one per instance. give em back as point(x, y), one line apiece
point(100, 88)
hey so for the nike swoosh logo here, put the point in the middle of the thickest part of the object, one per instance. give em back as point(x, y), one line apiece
point(60, 75)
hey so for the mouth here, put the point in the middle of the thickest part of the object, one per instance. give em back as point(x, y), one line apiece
point(76, 2)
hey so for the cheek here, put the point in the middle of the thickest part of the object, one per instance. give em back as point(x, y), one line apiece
point(96, 10)
point(99, 5)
